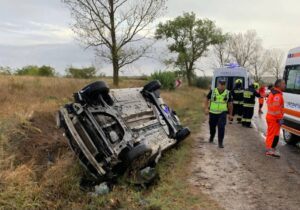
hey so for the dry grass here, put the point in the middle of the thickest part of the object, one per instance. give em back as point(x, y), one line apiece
point(38, 171)
point(23, 95)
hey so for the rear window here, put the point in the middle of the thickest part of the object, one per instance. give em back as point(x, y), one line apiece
point(230, 81)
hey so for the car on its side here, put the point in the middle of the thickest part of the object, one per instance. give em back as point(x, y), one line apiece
point(119, 130)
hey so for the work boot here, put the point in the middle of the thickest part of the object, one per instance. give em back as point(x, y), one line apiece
point(221, 144)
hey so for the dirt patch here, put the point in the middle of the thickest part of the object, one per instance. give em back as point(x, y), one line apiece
point(37, 141)
point(240, 176)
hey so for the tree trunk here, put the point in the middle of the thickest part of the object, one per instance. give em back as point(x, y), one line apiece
point(114, 51)
point(115, 72)
point(189, 77)
point(189, 72)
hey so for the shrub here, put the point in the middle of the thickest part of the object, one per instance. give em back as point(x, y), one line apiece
point(5, 70)
point(46, 71)
point(83, 73)
point(31, 70)
point(166, 78)
point(202, 82)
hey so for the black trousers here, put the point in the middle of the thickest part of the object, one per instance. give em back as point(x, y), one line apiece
point(217, 120)
point(247, 116)
point(238, 110)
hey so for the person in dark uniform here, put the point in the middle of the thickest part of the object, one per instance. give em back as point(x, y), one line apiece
point(218, 104)
point(248, 105)
point(238, 98)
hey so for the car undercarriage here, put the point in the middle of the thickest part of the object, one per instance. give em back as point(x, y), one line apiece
point(119, 131)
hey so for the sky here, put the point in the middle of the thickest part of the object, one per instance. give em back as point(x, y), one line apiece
point(38, 31)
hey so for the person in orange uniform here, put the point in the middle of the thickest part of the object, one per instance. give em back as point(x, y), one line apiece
point(274, 117)
point(262, 93)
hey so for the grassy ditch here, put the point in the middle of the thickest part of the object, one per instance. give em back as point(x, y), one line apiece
point(38, 170)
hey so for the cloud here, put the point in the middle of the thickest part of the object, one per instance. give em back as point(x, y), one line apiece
point(33, 33)
point(276, 22)
point(38, 32)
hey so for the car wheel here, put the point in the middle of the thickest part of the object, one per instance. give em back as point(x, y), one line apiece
point(290, 138)
point(92, 92)
point(152, 86)
point(182, 134)
point(139, 156)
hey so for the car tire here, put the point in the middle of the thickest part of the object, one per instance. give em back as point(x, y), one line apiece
point(152, 86)
point(290, 138)
point(139, 156)
point(182, 134)
point(92, 92)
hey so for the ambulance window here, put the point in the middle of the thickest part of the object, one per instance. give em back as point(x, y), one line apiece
point(221, 78)
point(230, 81)
point(293, 79)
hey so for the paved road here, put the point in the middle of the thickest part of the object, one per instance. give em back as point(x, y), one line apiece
point(241, 177)
point(290, 152)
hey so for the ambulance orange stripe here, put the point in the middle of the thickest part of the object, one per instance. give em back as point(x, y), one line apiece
point(296, 55)
point(292, 130)
point(291, 112)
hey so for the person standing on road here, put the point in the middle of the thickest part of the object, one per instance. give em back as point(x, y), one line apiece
point(237, 96)
point(262, 93)
point(249, 104)
point(218, 104)
point(274, 117)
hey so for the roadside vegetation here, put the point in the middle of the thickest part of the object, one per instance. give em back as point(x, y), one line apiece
point(38, 170)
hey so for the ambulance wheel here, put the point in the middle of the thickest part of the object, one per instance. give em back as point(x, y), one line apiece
point(290, 138)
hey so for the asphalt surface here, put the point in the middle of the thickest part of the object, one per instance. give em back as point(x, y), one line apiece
point(292, 153)
point(240, 176)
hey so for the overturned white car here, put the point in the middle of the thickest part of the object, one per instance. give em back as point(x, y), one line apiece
point(119, 130)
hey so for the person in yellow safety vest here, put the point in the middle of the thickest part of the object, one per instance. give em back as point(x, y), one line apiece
point(256, 86)
point(218, 104)
point(237, 96)
point(249, 104)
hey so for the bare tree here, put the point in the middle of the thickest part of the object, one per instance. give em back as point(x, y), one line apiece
point(275, 62)
point(243, 46)
point(222, 53)
point(112, 26)
point(258, 64)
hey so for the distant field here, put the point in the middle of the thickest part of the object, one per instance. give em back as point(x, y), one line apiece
point(38, 170)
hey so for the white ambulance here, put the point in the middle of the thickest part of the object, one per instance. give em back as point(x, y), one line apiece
point(291, 125)
point(231, 73)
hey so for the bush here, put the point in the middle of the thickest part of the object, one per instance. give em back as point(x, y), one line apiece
point(44, 71)
point(166, 78)
point(83, 73)
point(5, 70)
point(202, 82)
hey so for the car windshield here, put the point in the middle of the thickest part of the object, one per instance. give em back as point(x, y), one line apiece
point(292, 77)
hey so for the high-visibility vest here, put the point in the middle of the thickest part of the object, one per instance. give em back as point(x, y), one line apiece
point(249, 98)
point(237, 95)
point(218, 102)
point(275, 104)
